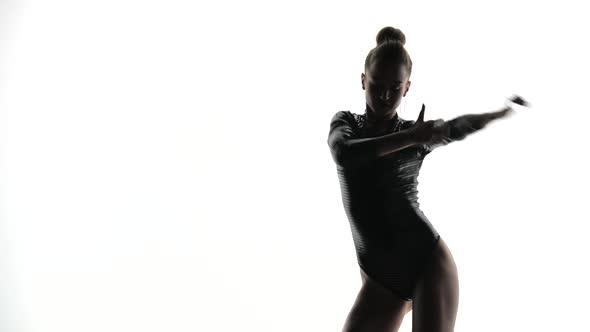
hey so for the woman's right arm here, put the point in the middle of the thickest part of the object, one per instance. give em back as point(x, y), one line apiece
point(348, 151)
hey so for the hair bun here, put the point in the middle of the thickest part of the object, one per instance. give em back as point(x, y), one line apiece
point(390, 34)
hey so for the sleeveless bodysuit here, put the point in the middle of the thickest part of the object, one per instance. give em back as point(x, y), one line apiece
point(393, 238)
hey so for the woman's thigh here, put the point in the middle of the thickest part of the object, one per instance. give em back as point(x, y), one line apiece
point(376, 309)
point(436, 298)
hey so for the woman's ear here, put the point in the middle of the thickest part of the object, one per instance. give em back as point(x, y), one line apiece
point(407, 87)
point(363, 80)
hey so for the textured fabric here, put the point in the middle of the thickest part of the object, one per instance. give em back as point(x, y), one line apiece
point(392, 236)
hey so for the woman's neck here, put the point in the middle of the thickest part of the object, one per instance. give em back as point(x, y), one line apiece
point(384, 120)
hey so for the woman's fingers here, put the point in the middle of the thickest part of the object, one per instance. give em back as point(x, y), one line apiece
point(421, 115)
point(519, 100)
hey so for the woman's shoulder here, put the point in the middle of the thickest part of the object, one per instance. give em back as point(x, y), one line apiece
point(343, 114)
point(348, 117)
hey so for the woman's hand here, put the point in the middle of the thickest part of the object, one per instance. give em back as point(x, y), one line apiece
point(518, 100)
point(430, 131)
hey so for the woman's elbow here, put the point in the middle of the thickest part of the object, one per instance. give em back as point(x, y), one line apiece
point(340, 154)
point(344, 158)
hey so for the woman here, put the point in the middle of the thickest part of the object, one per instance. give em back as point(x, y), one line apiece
point(405, 264)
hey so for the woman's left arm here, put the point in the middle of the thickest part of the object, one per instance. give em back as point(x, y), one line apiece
point(462, 126)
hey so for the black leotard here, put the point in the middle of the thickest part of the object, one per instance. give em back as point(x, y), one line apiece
point(392, 236)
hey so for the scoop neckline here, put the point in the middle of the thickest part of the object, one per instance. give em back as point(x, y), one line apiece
point(393, 127)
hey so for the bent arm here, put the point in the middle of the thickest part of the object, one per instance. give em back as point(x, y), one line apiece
point(348, 151)
point(352, 152)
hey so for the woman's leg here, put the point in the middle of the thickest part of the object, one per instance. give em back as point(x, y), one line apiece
point(436, 299)
point(376, 309)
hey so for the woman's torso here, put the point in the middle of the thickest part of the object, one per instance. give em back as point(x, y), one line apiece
point(381, 198)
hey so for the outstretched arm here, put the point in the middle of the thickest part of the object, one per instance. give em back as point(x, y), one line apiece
point(465, 125)
point(462, 126)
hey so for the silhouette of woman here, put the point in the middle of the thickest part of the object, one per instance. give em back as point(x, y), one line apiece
point(404, 263)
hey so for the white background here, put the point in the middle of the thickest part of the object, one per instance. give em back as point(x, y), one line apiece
point(164, 164)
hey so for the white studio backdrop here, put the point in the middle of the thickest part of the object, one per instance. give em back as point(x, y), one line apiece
point(164, 164)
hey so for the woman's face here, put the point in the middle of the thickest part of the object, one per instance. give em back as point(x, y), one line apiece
point(385, 84)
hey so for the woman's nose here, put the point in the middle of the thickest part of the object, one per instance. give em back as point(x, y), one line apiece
point(386, 95)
